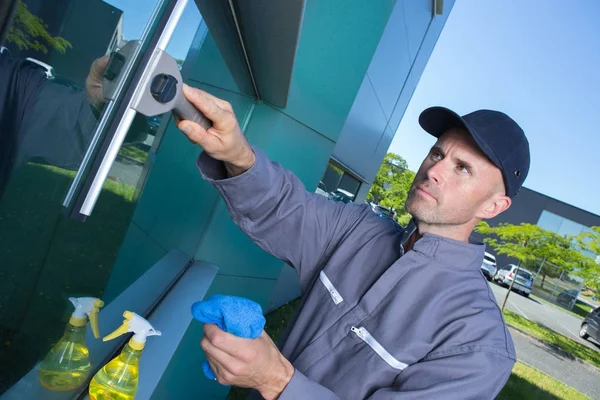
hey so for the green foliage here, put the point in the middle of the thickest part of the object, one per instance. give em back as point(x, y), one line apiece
point(588, 268)
point(590, 241)
point(528, 243)
point(30, 32)
point(391, 186)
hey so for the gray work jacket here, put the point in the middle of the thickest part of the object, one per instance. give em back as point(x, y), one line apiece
point(374, 322)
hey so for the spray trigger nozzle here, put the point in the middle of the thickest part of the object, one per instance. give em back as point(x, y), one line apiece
point(86, 307)
point(136, 324)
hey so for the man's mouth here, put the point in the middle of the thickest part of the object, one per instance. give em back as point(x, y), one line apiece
point(425, 192)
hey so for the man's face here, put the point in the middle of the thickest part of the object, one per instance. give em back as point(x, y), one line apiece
point(455, 184)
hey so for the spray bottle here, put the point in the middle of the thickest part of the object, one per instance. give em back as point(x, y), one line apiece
point(67, 365)
point(119, 378)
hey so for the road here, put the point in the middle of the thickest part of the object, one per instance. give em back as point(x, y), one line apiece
point(578, 375)
point(544, 314)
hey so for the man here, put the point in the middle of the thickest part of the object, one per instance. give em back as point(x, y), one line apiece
point(387, 312)
point(43, 120)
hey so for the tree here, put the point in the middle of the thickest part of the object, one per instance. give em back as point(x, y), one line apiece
point(528, 243)
point(30, 32)
point(391, 186)
point(588, 266)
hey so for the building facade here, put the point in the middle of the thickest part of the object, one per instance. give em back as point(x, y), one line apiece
point(319, 86)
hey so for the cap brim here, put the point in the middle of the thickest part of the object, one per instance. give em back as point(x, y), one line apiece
point(437, 120)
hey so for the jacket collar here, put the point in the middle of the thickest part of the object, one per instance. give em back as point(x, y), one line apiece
point(450, 252)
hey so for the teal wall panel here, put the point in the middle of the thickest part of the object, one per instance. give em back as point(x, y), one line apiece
point(291, 143)
point(297, 148)
point(210, 68)
point(337, 42)
point(225, 245)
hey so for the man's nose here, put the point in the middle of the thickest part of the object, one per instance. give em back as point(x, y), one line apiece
point(436, 172)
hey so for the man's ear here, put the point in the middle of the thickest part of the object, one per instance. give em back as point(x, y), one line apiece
point(497, 204)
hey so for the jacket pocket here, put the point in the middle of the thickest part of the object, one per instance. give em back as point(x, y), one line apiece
point(366, 337)
point(335, 295)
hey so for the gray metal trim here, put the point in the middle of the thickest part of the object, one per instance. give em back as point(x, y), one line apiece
point(106, 117)
point(270, 31)
point(258, 40)
point(172, 317)
point(239, 33)
point(125, 123)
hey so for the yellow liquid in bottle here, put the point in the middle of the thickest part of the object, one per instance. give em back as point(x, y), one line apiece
point(117, 380)
point(67, 365)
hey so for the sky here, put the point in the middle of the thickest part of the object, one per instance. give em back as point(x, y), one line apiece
point(539, 62)
point(137, 13)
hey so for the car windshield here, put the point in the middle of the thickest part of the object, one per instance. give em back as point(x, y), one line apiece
point(524, 274)
point(489, 259)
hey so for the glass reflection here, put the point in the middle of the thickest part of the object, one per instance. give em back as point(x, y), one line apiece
point(52, 68)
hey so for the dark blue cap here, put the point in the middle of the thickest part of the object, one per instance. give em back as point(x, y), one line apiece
point(497, 135)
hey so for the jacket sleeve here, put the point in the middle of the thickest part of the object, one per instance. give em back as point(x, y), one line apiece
point(271, 205)
point(477, 375)
point(302, 388)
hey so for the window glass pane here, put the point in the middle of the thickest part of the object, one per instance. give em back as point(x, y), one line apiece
point(569, 227)
point(338, 184)
point(52, 70)
point(490, 259)
point(350, 184)
point(524, 274)
point(332, 178)
point(549, 221)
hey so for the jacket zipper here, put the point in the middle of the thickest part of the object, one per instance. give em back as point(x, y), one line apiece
point(337, 298)
point(366, 337)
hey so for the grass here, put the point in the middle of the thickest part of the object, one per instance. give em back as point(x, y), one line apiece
point(528, 383)
point(135, 153)
point(581, 309)
point(548, 335)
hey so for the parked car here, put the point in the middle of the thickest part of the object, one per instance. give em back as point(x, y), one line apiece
point(322, 189)
point(488, 266)
point(383, 211)
point(523, 282)
point(590, 327)
point(341, 195)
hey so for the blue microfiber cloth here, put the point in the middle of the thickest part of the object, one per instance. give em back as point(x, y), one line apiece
point(236, 315)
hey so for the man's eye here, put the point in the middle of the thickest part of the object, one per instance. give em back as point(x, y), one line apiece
point(436, 156)
point(463, 169)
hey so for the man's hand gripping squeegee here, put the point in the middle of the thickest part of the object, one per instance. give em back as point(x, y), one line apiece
point(160, 88)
